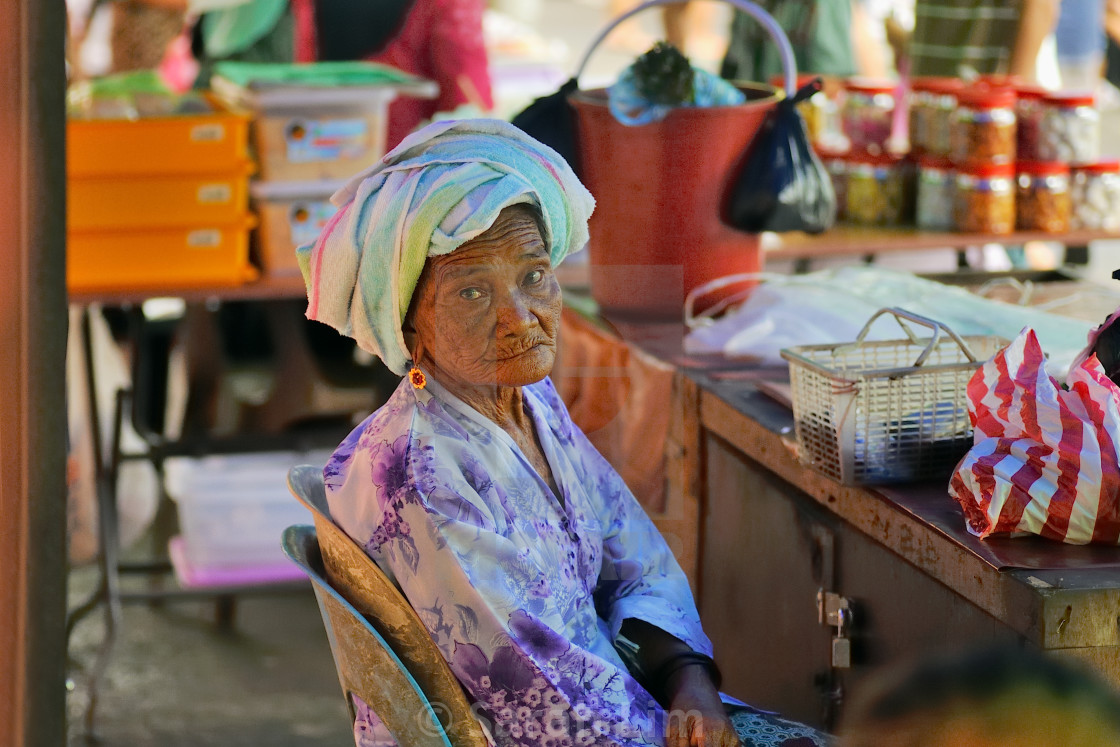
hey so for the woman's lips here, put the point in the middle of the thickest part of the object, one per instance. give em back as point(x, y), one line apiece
point(521, 350)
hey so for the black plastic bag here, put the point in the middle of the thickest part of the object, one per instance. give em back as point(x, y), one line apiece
point(782, 185)
point(552, 120)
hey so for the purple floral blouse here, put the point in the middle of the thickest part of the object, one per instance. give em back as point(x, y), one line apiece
point(524, 594)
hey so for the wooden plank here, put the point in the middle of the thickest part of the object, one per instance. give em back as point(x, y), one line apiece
point(32, 354)
point(680, 521)
point(848, 240)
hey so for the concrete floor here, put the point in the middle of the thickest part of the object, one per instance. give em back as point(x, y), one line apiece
point(176, 678)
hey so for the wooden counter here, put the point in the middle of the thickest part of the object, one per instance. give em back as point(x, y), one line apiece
point(763, 535)
point(773, 533)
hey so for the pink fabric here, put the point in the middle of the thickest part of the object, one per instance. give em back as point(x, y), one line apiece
point(441, 40)
point(1045, 458)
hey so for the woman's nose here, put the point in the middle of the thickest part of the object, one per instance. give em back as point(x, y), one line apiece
point(514, 315)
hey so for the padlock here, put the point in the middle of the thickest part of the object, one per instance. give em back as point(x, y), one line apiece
point(841, 652)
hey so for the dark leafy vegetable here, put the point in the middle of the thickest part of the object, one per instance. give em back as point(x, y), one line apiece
point(664, 76)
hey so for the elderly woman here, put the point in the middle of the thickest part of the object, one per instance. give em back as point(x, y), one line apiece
point(533, 567)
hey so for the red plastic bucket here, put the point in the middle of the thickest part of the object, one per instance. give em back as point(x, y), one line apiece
point(659, 188)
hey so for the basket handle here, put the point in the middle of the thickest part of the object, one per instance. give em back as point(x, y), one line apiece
point(785, 50)
point(936, 326)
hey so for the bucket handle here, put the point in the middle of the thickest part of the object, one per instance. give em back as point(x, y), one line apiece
point(785, 50)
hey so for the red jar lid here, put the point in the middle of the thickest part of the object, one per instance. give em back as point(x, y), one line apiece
point(927, 161)
point(1106, 166)
point(935, 84)
point(1030, 92)
point(987, 169)
point(1070, 98)
point(870, 85)
point(875, 159)
point(1000, 80)
point(1042, 168)
point(983, 97)
point(830, 154)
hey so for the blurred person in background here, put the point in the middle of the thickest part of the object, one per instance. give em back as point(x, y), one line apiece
point(983, 697)
point(821, 33)
point(1080, 39)
point(1112, 50)
point(955, 37)
point(440, 40)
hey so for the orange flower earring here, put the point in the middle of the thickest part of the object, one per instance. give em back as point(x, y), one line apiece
point(416, 378)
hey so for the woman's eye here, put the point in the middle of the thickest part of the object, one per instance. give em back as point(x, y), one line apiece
point(534, 277)
point(470, 294)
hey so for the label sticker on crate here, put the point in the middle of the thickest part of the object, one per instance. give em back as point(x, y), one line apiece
point(310, 140)
point(210, 132)
point(211, 194)
point(307, 219)
point(205, 238)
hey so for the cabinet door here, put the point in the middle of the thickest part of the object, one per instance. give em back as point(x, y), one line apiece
point(767, 550)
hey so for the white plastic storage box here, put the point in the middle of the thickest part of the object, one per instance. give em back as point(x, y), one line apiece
point(290, 214)
point(310, 133)
point(233, 509)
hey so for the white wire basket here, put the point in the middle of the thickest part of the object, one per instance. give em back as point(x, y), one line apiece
point(886, 411)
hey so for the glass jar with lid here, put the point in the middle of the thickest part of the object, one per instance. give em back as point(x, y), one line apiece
point(1095, 193)
point(1042, 198)
point(1070, 129)
point(932, 103)
point(836, 164)
point(937, 188)
point(984, 125)
point(877, 191)
point(818, 111)
point(867, 114)
point(985, 200)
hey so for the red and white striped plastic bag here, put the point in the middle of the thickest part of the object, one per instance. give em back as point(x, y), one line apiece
point(1044, 459)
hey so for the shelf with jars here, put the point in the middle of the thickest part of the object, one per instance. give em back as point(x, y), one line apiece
point(945, 163)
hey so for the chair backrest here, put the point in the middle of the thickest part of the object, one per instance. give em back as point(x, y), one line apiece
point(367, 666)
point(353, 575)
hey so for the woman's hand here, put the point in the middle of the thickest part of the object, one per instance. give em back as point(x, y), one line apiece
point(696, 716)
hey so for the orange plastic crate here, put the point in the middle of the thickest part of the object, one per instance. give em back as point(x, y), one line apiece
point(159, 258)
point(191, 143)
point(125, 202)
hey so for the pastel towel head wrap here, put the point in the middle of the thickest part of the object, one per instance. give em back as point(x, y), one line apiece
point(442, 186)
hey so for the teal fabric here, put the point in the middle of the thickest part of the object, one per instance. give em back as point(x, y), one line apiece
point(231, 30)
point(632, 108)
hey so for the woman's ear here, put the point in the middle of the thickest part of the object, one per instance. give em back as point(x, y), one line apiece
point(409, 332)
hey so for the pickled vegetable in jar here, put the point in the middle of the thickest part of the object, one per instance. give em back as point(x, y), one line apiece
point(984, 125)
point(868, 114)
point(1070, 128)
point(1095, 193)
point(932, 103)
point(985, 201)
point(818, 110)
point(1042, 198)
point(836, 164)
point(1028, 121)
point(877, 190)
point(937, 187)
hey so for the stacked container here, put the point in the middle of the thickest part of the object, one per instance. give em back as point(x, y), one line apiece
point(158, 201)
point(310, 136)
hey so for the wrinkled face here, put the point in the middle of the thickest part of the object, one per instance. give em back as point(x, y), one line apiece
point(487, 314)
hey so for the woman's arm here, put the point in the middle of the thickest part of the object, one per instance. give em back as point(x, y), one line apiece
point(1036, 23)
point(681, 681)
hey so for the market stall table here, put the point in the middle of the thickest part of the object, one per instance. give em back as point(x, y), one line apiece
point(777, 549)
